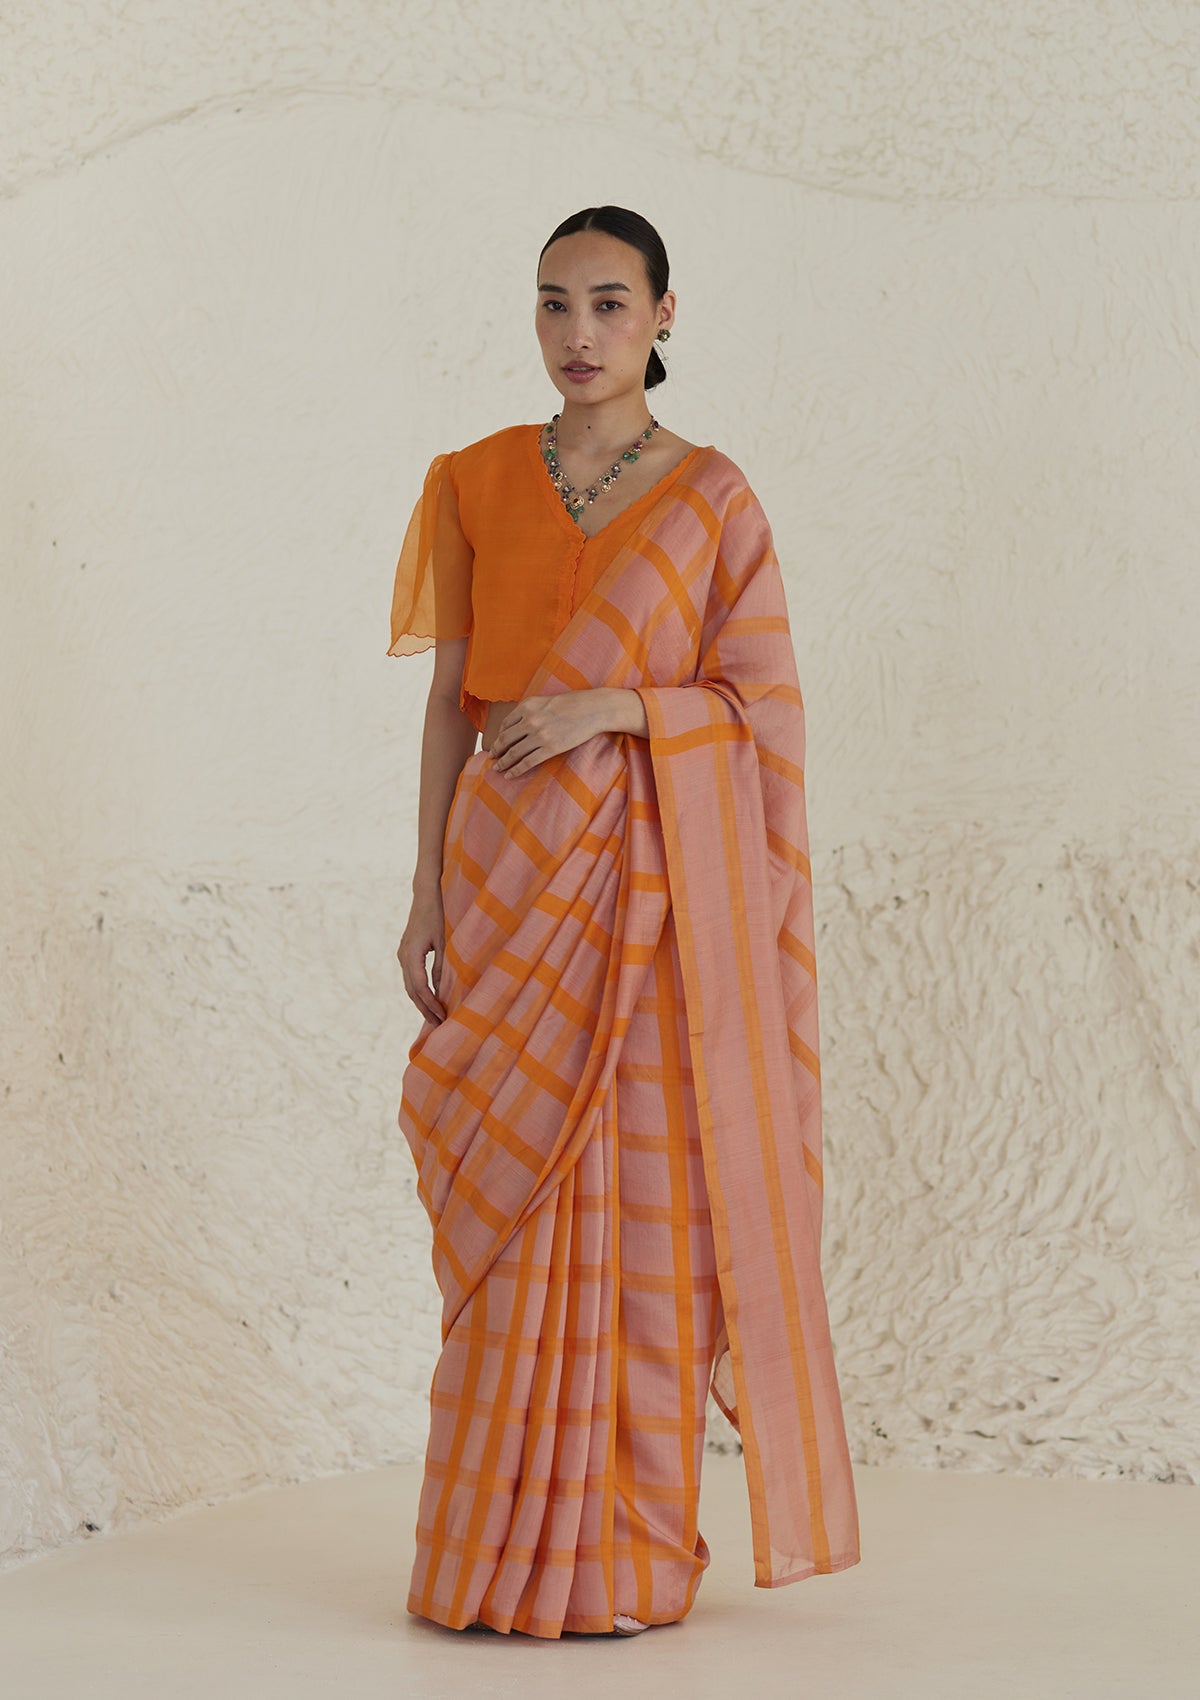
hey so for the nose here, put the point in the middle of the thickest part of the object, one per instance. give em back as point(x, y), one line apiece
point(576, 336)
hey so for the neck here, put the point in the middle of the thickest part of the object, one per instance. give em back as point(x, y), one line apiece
point(604, 428)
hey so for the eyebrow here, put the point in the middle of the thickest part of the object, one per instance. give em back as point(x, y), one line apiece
point(596, 287)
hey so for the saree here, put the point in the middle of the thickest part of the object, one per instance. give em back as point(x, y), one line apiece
point(629, 974)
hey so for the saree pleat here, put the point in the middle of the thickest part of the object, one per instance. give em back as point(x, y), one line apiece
point(668, 1305)
point(616, 1127)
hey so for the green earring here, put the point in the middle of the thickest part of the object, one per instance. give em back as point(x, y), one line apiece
point(662, 335)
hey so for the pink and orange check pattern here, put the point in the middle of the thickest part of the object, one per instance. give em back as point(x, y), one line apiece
point(617, 1126)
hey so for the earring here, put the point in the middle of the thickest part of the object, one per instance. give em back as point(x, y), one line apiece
point(663, 334)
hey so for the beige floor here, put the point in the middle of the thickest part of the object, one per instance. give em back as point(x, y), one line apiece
point(970, 1587)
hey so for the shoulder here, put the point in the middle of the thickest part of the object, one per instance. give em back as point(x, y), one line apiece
point(496, 449)
point(720, 464)
point(722, 480)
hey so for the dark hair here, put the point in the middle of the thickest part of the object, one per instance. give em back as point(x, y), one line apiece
point(629, 227)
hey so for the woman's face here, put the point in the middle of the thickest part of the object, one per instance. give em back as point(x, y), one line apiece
point(610, 329)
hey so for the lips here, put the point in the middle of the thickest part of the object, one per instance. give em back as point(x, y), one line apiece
point(580, 366)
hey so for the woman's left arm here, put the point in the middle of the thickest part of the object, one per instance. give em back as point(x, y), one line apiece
point(542, 726)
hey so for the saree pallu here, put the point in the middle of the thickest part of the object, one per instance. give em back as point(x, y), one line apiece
point(617, 1125)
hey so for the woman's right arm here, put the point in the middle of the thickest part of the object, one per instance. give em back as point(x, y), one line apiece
point(447, 742)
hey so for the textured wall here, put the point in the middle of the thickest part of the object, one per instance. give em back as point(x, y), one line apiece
point(939, 286)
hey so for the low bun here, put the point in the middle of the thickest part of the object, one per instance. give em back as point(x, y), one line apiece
point(655, 371)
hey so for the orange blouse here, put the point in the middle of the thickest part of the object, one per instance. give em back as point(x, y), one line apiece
point(491, 554)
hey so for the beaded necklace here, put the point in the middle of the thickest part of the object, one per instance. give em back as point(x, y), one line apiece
point(574, 500)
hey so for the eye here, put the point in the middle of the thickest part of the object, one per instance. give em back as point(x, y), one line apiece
point(552, 303)
point(611, 303)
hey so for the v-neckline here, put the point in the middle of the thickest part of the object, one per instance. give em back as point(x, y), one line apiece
point(556, 500)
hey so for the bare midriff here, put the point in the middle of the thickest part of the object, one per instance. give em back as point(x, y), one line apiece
point(495, 714)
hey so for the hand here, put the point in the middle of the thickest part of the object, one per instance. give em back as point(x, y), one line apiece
point(538, 727)
point(425, 932)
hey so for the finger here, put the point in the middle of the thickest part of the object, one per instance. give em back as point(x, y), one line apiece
point(510, 727)
point(506, 737)
point(528, 763)
point(528, 754)
point(417, 990)
point(429, 1007)
point(516, 750)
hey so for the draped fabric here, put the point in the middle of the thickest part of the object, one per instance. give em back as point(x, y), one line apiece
point(575, 897)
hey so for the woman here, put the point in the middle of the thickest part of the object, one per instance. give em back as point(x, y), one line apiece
point(613, 1101)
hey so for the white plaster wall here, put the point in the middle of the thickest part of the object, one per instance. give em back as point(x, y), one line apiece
point(939, 295)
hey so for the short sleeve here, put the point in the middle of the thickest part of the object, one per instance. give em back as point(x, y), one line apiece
point(431, 597)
